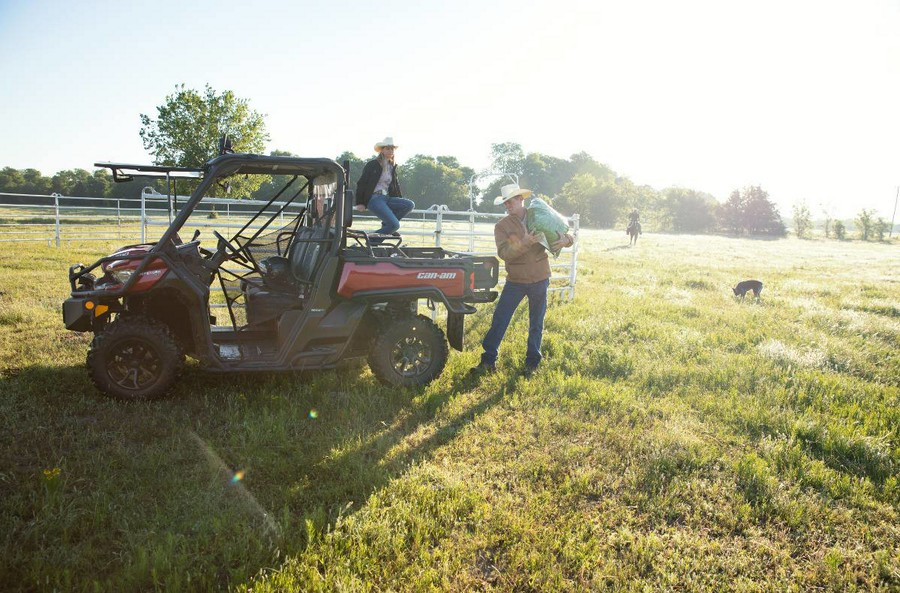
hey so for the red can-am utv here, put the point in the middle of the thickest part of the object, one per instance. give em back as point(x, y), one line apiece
point(302, 290)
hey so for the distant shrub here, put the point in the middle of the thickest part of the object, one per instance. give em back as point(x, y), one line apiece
point(802, 220)
point(864, 222)
point(840, 231)
point(879, 228)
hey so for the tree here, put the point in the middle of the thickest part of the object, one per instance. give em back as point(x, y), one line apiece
point(507, 157)
point(189, 124)
point(688, 210)
point(275, 183)
point(356, 166)
point(879, 228)
point(731, 213)
point(431, 180)
point(576, 195)
point(840, 231)
point(802, 220)
point(751, 211)
point(760, 214)
point(827, 221)
point(864, 221)
point(596, 202)
point(71, 182)
point(582, 162)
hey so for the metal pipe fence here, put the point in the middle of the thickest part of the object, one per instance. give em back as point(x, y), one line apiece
point(55, 219)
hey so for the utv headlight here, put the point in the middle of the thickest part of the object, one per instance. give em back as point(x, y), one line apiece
point(121, 276)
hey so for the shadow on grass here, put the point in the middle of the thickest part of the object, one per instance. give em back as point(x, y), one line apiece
point(303, 469)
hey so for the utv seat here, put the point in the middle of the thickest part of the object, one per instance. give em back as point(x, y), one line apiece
point(287, 280)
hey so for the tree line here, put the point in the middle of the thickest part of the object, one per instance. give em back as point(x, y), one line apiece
point(189, 124)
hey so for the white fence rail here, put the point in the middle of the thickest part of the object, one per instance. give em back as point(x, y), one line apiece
point(55, 219)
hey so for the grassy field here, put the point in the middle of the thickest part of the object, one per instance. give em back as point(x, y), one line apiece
point(675, 439)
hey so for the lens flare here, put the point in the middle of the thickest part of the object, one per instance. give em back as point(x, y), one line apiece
point(237, 477)
point(313, 413)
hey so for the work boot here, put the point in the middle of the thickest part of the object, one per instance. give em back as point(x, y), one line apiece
point(482, 369)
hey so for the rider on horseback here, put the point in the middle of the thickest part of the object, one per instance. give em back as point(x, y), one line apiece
point(634, 225)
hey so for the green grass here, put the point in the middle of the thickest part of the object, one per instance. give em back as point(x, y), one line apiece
point(675, 439)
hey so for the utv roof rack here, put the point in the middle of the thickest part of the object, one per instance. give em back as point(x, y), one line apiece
point(122, 172)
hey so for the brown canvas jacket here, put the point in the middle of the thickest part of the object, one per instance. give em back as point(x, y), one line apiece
point(525, 263)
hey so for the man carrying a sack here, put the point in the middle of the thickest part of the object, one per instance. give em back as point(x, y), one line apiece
point(527, 275)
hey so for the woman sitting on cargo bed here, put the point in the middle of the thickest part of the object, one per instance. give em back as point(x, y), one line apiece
point(378, 189)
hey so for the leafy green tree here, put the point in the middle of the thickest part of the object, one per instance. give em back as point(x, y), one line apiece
point(26, 181)
point(71, 182)
point(582, 162)
point(864, 221)
point(687, 210)
point(840, 231)
point(11, 180)
point(596, 202)
point(431, 180)
point(275, 183)
point(760, 214)
point(750, 210)
point(545, 174)
point(879, 227)
point(356, 167)
point(507, 157)
point(35, 183)
point(802, 220)
point(188, 127)
point(576, 195)
point(731, 213)
point(827, 221)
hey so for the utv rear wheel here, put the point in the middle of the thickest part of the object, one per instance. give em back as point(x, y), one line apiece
point(411, 351)
point(134, 358)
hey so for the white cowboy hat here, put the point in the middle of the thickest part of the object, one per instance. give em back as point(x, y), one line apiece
point(510, 191)
point(388, 141)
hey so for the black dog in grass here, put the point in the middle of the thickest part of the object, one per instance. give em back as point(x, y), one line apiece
point(742, 288)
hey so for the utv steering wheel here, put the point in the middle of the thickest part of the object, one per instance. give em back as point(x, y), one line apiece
point(227, 246)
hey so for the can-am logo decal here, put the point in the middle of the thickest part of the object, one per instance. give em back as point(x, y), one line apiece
point(436, 275)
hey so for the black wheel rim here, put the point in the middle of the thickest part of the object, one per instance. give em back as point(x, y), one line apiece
point(411, 357)
point(134, 365)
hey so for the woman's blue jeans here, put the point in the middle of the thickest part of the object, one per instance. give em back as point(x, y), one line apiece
point(390, 210)
point(509, 300)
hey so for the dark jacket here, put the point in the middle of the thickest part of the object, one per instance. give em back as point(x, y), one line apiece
point(369, 179)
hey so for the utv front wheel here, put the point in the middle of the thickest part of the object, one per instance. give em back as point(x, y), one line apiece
point(135, 359)
point(411, 351)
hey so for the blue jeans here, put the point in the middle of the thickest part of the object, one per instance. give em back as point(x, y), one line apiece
point(390, 210)
point(509, 300)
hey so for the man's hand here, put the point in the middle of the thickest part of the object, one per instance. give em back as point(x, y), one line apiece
point(565, 240)
point(532, 238)
point(360, 208)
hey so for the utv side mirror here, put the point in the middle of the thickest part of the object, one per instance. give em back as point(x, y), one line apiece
point(348, 208)
point(225, 145)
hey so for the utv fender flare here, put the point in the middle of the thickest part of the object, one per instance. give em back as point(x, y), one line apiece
point(456, 306)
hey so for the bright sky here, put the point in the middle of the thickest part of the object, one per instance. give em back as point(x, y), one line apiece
point(799, 96)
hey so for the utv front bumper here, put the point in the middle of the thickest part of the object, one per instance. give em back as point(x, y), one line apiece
point(83, 314)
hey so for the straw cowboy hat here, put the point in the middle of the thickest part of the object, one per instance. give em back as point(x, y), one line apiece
point(388, 141)
point(507, 192)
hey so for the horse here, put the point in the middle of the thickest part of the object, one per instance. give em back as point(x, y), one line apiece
point(633, 230)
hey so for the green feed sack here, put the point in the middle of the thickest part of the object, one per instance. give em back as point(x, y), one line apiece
point(543, 219)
